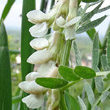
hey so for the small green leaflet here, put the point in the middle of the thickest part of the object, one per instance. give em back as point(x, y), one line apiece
point(99, 84)
point(90, 93)
point(90, 25)
point(67, 73)
point(95, 53)
point(89, 1)
point(91, 33)
point(89, 15)
point(103, 9)
point(73, 105)
point(107, 77)
point(84, 72)
point(52, 83)
point(104, 62)
point(82, 104)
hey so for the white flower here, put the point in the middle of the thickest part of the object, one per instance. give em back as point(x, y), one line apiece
point(39, 30)
point(39, 43)
point(36, 97)
point(69, 27)
point(37, 16)
point(46, 54)
point(41, 20)
point(34, 101)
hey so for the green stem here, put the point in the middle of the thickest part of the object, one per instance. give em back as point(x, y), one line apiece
point(66, 53)
point(62, 101)
point(69, 85)
point(65, 61)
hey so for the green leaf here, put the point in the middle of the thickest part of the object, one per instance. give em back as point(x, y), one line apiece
point(90, 93)
point(91, 25)
point(52, 83)
point(7, 9)
point(77, 54)
point(67, 73)
point(5, 71)
point(91, 33)
point(84, 72)
point(89, 1)
point(104, 62)
point(26, 50)
point(104, 96)
point(82, 104)
point(103, 9)
point(73, 105)
point(95, 53)
point(108, 49)
point(89, 15)
point(107, 78)
point(99, 84)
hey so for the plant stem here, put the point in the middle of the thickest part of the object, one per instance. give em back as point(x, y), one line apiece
point(69, 85)
point(62, 101)
point(66, 53)
point(65, 61)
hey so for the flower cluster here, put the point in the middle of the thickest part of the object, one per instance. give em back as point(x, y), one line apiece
point(37, 92)
point(62, 19)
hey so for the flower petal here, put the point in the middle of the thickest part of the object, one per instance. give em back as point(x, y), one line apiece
point(70, 32)
point(39, 30)
point(45, 68)
point(34, 101)
point(32, 87)
point(32, 76)
point(40, 57)
point(60, 21)
point(73, 21)
point(53, 72)
point(39, 43)
point(37, 16)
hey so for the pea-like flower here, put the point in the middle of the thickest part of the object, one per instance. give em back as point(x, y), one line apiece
point(68, 23)
point(43, 21)
point(37, 92)
point(68, 26)
point(47, 49)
